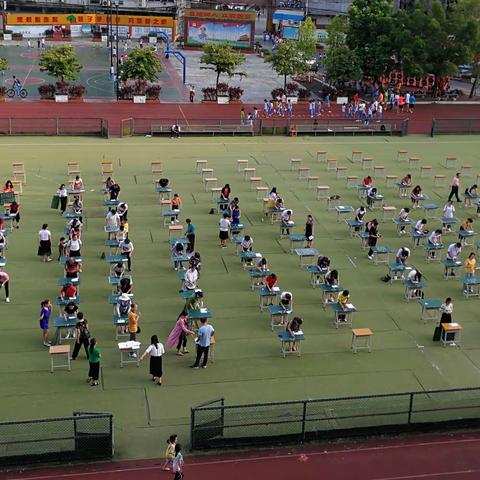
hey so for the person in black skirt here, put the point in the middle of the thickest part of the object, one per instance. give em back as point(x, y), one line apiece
point(62, 194)
point(447, 310)
point(309, 231)
point(45, 246)
point(155, 350)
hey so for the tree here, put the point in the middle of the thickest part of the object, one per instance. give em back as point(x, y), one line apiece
point(60, 62)
point(286, 60)
point(307, 39)
point(342, 64)
point(4, 66)
point(223, 60)
point(369, 31)
point(142, 64)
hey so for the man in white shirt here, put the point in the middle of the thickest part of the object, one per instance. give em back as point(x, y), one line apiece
point(225, 225)
point(112, 221)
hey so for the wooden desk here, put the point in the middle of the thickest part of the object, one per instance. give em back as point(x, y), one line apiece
point(58, 350)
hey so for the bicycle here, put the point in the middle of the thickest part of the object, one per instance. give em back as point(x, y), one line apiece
point(11, 93)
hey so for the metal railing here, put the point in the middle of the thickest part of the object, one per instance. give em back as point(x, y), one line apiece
point(83, 436)
point(263, 126)
point(455, 126)
point(215, 424)
point(54, 126)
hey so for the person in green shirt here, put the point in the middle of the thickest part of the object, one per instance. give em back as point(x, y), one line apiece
point(190, 234)
point(195, 301)
point(94, 362)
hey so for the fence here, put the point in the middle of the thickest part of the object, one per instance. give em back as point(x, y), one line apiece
point(268, 126)
point(215, 424)
point(458, 126)
point(83, 436)
point(54, 126)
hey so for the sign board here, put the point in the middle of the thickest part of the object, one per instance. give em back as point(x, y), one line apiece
point(139, 99)
point(342, 100)
point(61, 98)
point(89, 19)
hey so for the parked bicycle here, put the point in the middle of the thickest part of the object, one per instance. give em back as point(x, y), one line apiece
point(22, 93)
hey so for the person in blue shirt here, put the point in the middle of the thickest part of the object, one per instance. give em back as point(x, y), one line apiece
point(190, 234)
point(412, 102)
point(204, 333)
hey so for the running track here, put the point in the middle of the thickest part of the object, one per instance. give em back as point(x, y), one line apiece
point(445, 457)
point(420, 121)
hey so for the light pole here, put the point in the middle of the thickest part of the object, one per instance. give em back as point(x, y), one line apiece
point(117, 76)
point(110, 33)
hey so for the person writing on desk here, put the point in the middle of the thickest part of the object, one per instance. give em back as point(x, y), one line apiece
point(204, 340)
point(403, 217)
point(195, 301)
point(293, 327)
point(402, 255)
point(190, 279)
point(415, 277)
point(343, 299)
point(286, 301)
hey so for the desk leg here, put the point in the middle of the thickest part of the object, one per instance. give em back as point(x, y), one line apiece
point(68, 361)
point(121, 359)
point(51, 363)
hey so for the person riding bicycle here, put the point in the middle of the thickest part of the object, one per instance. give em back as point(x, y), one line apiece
point(17, 85)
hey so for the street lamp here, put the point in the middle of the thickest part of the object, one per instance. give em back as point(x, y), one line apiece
point(117, 55)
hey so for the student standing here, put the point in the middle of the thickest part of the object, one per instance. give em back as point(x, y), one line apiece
point(5, 283)
point(126, 248)
point(178, 463)
point(45, 246)
point(133, 327)
point(178, 336)
point(373, 236)
point(82, 335)
point(447, 311)
point(204, 333)
point(155, 350)
point(309, 231)
point(470, 265)
point(190, 234)
point(45, 313)
point(63, 196)
point(170, 452)
point(454, 187)
point(94, 363)
point(224, 229)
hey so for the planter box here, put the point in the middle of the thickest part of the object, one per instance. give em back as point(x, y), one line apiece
point(209, 101)
point(294, 100)
point(139, 99)
point(61, 98)
point(7, 36)
point(152, 40)
point(222, 99)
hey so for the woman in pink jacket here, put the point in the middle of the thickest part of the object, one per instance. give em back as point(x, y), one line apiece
point(179, 334)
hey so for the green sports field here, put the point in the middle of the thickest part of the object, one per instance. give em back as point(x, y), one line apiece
point(248, 366)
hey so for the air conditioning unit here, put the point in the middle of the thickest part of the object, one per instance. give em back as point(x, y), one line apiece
point(142, 3)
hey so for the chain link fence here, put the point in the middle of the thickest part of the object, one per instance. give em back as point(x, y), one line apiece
point(83, 436)
point(455, 126)
point(215, 424)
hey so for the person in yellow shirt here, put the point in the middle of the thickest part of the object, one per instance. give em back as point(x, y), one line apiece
point(133, 327)
point(467, 225)
point(342, 299)
point(170, 452)
point(470, 265)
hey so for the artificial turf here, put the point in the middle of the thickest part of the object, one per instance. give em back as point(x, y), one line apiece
point(248, 366)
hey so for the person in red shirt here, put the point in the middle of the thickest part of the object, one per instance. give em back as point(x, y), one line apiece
point(8, 186)
point(270, 283)
point(368, 181)
point(68, 291)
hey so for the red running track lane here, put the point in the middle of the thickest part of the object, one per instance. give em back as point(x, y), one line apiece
point(445, 457)
point(420, 121)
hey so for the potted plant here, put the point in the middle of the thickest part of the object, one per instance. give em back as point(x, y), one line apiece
point(143, 66)
point(234, 94)
point(76, 92)
point(222, 93)
point(152, 92)
point(209, 95)
point(291, 91)
point(61, 63)
point(47, 91)
point(7, 35)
